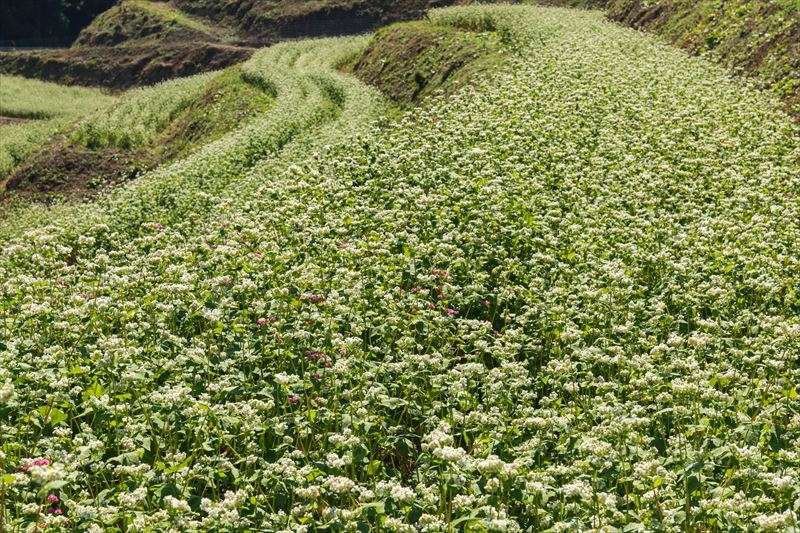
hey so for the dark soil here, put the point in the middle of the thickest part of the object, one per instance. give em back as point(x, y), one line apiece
point(122, 67)
point(266, 22)
point(73, 171)
point(11, 120)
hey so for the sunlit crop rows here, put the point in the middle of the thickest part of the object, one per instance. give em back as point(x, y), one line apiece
point(28, 98)
point(140, 114)
point(563, 298)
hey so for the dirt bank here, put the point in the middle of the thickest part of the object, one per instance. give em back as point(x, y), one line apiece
point(122, 67)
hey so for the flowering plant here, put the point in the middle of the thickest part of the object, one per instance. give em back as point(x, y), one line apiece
point(563, 298)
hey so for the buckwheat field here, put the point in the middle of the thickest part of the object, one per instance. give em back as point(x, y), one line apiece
point(563, 298)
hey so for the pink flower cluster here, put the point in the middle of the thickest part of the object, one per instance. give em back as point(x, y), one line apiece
point(318, 357)
point(53, 500)
point(33, 463)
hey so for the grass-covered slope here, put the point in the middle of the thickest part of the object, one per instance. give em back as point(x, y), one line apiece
point(110, 146)
point(135, 43)
point(269, 20)
point(562, 297)
point(759, 38)
point(141, 42)
point(32, 111)
point(134, 20)
point(123, 67)
point(412, 60)
point(33, 100)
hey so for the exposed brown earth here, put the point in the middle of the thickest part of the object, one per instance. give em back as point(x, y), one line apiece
point(11, 120)
point(65, 169)
point(122, 67)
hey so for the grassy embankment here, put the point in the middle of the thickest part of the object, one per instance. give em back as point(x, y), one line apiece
point(33, 111)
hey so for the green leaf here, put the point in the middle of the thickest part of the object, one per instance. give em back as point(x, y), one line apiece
point(180, 466)
point(128, 457)
point(57, 417)
point(379, 507)
point(469, 524)
point(393, 403)
point(51, 415)
point(373, 467)
point(53, 485)
point(95, 390)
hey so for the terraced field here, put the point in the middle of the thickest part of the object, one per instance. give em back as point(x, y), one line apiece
point(32, 111)
point(561, 297)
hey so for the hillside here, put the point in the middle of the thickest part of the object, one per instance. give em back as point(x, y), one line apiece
point(32, 112)
point(411, 61)
point(156, 40)
point(758, 38)
point(270, 20)
point(132, 21)
point(119, 139)
point(550, 285)
point(755, 38)
point(145, 128)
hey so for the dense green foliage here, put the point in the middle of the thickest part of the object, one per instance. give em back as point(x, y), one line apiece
point(62, 157)
point(174, 118)
point(759, 38)
point(563, 297)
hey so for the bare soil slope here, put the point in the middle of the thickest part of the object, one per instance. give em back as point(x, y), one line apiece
point(122, 67)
